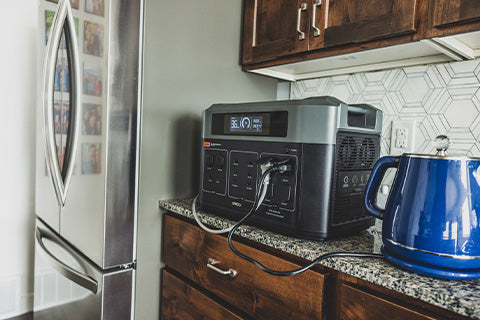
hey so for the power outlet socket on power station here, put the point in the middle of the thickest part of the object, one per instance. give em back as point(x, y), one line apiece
point(403, 137)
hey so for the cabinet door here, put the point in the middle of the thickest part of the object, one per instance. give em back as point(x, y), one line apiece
point(317, 24)
point(359, 305)
point(358, 21)
point(448, 12)
point(274, 28)
point(183, 302)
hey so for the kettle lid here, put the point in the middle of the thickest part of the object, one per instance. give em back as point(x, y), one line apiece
point(441, 144)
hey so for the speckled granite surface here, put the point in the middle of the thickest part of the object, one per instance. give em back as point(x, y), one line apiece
point(462, 297)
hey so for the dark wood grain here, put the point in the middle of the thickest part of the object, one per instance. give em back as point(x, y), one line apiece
point(354, 26)
point(269, 29)
point(183, 302)
point(258, 294)
point(360, 21)
point(359, 305)
point(449, 12)
point(364, 292)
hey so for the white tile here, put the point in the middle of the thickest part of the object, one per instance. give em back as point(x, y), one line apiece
point(463, 135)
point(464, 68)
point(437, 101)
point(475, 150)
point(415, 70)
point(414, 89)
point(475, 128)
point(439, 124)
point(343, 92)
point(394, 103)
point(435, 77)
point(462, 92)
point(461, 113)
point(413, 111)
point(391, 77)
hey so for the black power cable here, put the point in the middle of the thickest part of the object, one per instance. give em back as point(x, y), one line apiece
point(254, 209)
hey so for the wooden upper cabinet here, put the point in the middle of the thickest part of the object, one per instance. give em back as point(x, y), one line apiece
point(274, 28)
point(450, 12)
point(358, 21)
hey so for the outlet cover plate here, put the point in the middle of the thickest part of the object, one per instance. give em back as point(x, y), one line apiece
point(403, 137)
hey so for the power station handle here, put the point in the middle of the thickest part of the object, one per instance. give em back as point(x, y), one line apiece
point(230, 272)
point(316, 30)
point(358, 110)
point(374, 182)
point(301, 34)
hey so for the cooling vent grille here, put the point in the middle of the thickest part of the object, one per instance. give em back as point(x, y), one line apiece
point(356, 155)
point(356, 152)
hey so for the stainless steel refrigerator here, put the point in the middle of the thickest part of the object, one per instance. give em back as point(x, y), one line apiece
point(87, 157)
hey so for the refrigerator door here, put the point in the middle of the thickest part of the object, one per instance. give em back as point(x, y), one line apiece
point(102, 198)
point(69, 286)
point(87, 186)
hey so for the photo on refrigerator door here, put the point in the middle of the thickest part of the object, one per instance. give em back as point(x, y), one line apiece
point(74, 3)
point(65, 75)
point(57, 115)
point(93, 39)
point(61, 116)
point(95, 7)
point(48, 26)
point(48, 23)
point(92, 80)
point(65, 117)
point(92, 119)
point(91, 158)
point(49, 15)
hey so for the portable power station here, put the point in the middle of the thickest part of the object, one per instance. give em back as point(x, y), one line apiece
point(331, 148)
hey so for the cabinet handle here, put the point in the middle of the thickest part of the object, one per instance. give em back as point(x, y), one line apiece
point(327, 5)
point(211, 264)
point(316, 30)
point(301, 34)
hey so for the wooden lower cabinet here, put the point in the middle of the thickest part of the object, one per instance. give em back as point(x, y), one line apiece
point(187, 250)
point(183, 302)
point(191, 290)
point(357, 305)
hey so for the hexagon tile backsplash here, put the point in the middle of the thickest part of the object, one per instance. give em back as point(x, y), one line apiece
point(443, 99)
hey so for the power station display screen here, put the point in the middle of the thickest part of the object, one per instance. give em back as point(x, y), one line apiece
point(273, 124)
point(253, 124)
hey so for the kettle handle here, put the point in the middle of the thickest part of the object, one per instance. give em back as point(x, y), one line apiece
point(373, 183)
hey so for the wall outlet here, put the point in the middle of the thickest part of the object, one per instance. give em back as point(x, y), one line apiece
point(403, 137)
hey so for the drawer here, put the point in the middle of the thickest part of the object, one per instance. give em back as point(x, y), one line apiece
point(181, 301)
point(187, 249)
point(356, 304)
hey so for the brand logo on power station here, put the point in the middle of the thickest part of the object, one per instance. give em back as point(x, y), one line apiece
point(207, 144)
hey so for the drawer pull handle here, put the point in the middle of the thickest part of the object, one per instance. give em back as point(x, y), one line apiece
point(211, 264)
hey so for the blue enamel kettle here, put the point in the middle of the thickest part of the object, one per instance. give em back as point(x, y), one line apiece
point(431, 220)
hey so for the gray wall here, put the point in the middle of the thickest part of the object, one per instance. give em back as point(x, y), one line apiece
point(192, 54)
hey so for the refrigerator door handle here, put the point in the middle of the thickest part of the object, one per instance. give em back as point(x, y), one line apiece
point(71, 274)
point(63, 17)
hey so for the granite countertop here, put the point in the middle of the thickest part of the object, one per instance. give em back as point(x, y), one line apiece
point(462, 297)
